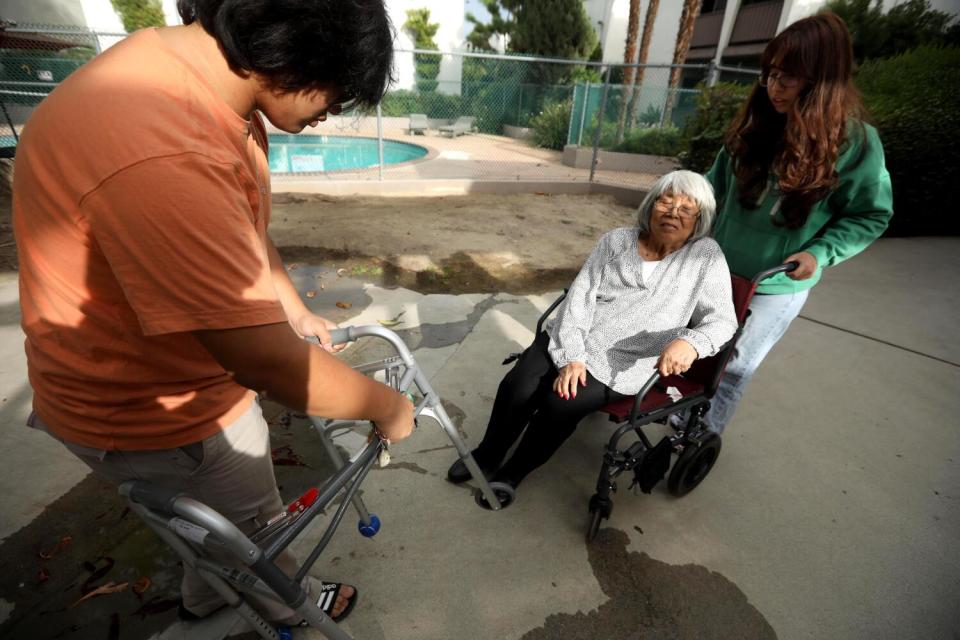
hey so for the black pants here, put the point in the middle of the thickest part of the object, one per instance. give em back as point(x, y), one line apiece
point(526, 399)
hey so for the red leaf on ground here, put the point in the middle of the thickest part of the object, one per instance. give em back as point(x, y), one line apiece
point(110, 587)
point(43, 575)
point(141, 585)
point(60, 546)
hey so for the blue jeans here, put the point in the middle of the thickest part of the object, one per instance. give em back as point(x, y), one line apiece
point(770, 315)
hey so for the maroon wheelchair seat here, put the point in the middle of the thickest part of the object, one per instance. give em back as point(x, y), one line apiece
point(704, 376)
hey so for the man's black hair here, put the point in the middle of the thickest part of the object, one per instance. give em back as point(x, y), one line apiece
point(298, 45)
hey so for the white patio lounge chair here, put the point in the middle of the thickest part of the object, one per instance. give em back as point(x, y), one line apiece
point(463, 124)
point(418, 124)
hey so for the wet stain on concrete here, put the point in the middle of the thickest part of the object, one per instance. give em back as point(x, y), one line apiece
point(404, 466)
point(649, 599)
point(107, 543)
point(437, 336)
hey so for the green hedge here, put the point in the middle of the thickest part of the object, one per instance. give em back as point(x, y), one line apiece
point(914, 103)
point(550, 125)
point(655, 141)
point(706, 128)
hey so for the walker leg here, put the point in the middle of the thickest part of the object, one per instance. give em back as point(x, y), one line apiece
point(438, 413)
point(336, 456)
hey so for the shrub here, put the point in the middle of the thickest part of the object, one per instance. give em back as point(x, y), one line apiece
point(705, 129)
point(436, 105)
point(653, 141)
point(913, 101)
point(550, 125)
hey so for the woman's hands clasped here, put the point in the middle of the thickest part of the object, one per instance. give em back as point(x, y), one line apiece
point(565, 385)
point(676, 358)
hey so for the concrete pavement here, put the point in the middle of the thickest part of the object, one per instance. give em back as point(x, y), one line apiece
point(833, 511)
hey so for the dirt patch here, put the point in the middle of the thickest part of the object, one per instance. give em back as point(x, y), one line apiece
point(478, 243)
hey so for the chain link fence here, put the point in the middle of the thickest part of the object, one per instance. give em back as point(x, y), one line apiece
point(459, 115)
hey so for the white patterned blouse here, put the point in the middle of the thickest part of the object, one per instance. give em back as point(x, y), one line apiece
point(618, 323)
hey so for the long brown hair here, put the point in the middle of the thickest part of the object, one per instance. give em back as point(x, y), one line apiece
point(802, 146)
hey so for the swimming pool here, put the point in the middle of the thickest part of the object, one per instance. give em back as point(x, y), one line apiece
point(303, 153)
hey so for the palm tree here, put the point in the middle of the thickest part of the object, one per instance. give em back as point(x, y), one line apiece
point(651, 17)
point(633, 26)
point(688, 20)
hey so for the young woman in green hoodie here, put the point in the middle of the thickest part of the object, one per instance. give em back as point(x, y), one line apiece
point(801, 178)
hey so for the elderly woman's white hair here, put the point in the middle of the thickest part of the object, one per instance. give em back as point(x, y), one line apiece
point(694, 186)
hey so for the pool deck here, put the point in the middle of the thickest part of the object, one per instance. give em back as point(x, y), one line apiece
point(470, 157)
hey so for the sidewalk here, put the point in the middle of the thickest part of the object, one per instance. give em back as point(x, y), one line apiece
point(833, 511)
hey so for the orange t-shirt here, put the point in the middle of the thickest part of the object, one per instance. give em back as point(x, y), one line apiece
point(140, 208)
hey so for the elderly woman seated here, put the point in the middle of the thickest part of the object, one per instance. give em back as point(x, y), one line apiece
point(654, 296)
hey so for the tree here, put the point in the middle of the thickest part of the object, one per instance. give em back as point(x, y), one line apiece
point(629, 52)
point(688, 21)
point(427, 66)
point(501, 25)
point(648, 22)
point(548, 28)
point(139, 14)
point(906, 26)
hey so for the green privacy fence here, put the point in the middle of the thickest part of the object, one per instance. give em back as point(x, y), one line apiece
point(621, 109)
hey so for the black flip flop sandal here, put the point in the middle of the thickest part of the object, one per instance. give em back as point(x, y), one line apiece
point(327, 598)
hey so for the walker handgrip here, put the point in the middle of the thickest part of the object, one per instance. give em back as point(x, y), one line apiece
point(152, 496)
point(337, 336)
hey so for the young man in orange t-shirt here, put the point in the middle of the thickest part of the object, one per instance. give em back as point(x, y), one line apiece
point(153, 300)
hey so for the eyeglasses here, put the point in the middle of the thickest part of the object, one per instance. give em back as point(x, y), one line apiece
point(342, 107)
point(667, 204)
point(785, 81)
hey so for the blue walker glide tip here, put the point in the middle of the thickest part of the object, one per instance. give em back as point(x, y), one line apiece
point(369, 530)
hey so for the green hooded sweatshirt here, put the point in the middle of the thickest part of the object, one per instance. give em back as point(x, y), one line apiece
point(840, 226)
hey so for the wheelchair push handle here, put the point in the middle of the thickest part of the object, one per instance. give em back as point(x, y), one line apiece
point(786, 267)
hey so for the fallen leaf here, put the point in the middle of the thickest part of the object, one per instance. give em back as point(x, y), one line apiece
point(312, 293)
point(389, 323)
point(110, 587)
point(97, 573)
point(344, 305)
point(141, 585)
point(43, 575)
point(340, 272)
point(539, 193)
point(60, 546)
point(293, 265)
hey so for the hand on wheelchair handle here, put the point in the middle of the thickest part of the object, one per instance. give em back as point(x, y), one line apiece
point(806, 265)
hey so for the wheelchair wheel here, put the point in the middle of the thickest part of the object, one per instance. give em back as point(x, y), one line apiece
point(600, 509)
point(693, 465)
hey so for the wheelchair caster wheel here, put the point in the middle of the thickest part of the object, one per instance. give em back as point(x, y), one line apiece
point(504, 492)
point(693, 465)
point(369, 530)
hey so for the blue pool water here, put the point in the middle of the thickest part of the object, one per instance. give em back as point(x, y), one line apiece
point(295, 154)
